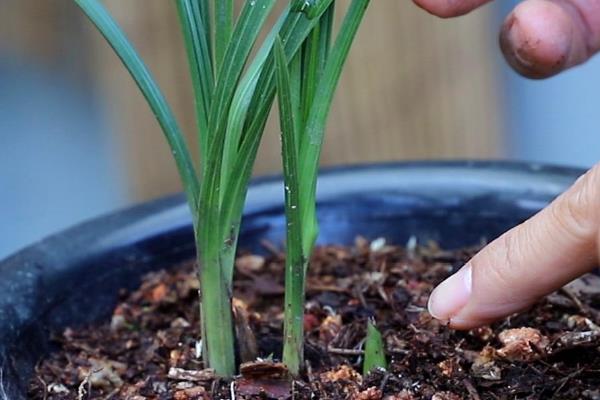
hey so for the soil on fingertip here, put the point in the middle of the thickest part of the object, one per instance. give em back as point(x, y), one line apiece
point(150, 348)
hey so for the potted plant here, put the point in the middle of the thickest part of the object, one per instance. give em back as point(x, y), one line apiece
point(298, 62)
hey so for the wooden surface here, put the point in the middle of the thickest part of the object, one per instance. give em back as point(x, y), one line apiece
point(415, 87)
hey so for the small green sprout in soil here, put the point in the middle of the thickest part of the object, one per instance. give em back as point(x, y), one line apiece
point(374, 350)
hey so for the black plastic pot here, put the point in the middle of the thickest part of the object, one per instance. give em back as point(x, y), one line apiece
point(73, 277)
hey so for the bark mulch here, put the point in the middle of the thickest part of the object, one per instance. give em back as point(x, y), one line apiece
point(150, 349)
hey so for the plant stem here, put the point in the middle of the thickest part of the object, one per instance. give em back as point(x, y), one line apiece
point(217, 324)
point(302, 121)
point(293, 335)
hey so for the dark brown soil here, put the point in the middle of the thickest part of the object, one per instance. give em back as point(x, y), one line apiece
point(149, 349)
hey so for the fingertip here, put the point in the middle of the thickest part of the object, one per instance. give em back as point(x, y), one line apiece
point(463, 324)
point(448, 298)
point(449, 8)
point(437, 8)
point(539, 39)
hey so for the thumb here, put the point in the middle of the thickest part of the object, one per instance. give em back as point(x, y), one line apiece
point(531, 260)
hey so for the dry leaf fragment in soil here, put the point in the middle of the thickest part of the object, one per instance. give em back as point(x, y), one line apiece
point(330, 327)
point(485, 366)
point(522, 344)
point(264, 378)
point(269, 389)
point(449, 367)
point(571, 340)
point(249, 264)
point(104, 374)
point(342, 373)
point(180, 374)
point(402, 395)
point(446, 396)
point(371, 393)
point(193, 393)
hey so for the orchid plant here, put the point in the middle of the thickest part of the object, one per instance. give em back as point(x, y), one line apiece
point(235, 78)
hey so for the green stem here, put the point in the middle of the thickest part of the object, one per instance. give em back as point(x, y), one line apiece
point(217, 324)
point(295, 263)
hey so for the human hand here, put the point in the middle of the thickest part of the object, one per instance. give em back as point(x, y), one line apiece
point(541, 255)
point(540, 38)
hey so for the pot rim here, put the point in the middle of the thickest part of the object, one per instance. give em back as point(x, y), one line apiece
point(170, 212)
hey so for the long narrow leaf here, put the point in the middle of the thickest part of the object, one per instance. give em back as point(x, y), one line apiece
point(246, 31)
point(203, 9)
point(245, 34)
point(326, 24)
point(312, 138)
point(315, 53)
point(310, 69)
point(96, 12)
point(295, 67)
point(240, 103)
point(312, 8)
point(294, 31)
point(223, 29)
point(200, 66)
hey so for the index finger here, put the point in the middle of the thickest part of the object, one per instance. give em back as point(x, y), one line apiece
point(449, 8)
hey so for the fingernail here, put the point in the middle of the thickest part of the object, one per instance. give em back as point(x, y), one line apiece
point(452, 295)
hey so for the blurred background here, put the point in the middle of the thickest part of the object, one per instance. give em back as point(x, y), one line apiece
point(77, 139)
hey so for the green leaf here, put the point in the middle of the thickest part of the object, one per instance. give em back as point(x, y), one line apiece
point(295, 67)
point(115, 37)
point(374, 350)
point(223, 28)
point(310, 69)
point(241, 101)
point(202, 8)
point(198, 54)
point(315, 51)
point(311, 8)
point(312, 138)
point(294, 30)
point(326, 27)
point(293, 33)
point(245, 34)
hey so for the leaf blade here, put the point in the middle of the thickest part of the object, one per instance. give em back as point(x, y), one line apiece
point(312, 138)
point(223, 30)
point(200, 67)
point(113, 34)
